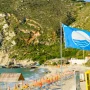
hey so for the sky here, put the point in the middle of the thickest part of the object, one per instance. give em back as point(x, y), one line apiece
point(87, 0)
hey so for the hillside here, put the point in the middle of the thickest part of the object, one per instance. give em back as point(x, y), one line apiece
point(30, 29)
point(83, 18)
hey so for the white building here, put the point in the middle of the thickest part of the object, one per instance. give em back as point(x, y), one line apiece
point(78, 61)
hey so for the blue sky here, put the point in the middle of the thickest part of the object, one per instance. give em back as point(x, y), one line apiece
point(87, 0)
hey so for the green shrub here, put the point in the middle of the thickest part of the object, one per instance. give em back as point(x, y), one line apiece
point(54, 63)
point(87, 63)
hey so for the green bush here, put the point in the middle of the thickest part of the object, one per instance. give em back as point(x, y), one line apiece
point(54, 63)
point(87, 63)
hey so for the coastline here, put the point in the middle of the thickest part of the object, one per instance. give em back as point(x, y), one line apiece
point(68, 84)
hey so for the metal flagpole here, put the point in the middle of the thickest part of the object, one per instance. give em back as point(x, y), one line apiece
point(83, 54)
point(61, 45)
point(61, 51)
point(84, 57)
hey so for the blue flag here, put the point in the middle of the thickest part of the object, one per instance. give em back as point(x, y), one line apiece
point(76, 38)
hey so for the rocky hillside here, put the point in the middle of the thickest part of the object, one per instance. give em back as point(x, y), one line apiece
point(30, 29)
point(83, 18)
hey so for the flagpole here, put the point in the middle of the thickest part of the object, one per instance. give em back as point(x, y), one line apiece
point(61, 51)
point(84, 57)
point(61, 45)
point(83, 54)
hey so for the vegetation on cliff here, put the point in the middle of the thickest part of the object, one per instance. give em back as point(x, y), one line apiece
point(34, 27)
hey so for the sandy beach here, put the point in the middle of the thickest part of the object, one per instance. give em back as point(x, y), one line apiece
point(70, 83)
